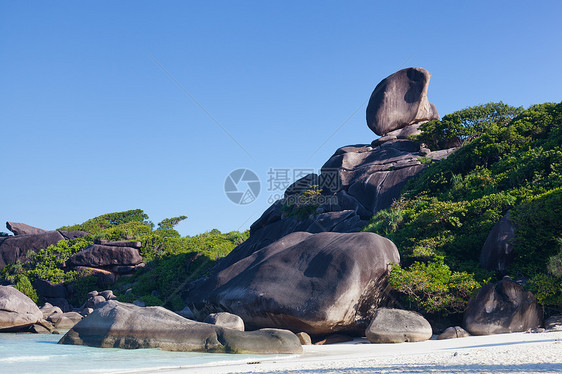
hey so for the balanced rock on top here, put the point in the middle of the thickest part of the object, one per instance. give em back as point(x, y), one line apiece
point(400, 100)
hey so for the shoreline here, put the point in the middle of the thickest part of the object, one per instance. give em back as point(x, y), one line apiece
point(501, 353)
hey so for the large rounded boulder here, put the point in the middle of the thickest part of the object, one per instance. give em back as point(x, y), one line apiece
point(398, 326)
point(501, 308)
point(400, 100)
point(317, 283)
point(497, 251)
point(17, 311)
point(121, 325)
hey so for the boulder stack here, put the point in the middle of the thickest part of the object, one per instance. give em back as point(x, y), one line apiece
point(359, 180)
point(108, 260)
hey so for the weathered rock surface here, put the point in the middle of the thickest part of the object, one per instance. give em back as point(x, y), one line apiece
point(497, 251)
point(17, 311)
point(453, 333)
point(49, 310)
point(397, 326)
point(23, 229)
point(316, 283)
point(97, 255)
point(400, 100)
point(501, 308)
point(227, 320)
point(120, 325)
point(65, 320)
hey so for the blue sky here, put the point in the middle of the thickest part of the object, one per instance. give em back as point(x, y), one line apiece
point(109, 106)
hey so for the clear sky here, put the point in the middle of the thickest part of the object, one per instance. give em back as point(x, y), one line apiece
point(117, 105)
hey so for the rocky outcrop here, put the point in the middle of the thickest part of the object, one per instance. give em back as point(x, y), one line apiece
point(397, 326)
point(17, 311)
point(23, 229)
point(98, 256)
point(27, 238)
point(65, 320)
point(497, 251)
point(400, 100)
point(453, 333)
point(224, 319)
point(316, 283)
point(120, 325)
point(107, 260)
point(358, 180)
point(502, 307)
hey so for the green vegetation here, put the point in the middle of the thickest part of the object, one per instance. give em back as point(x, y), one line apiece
point(303, 205)
point(459, 127)
point(511, 160)
point(171, 260)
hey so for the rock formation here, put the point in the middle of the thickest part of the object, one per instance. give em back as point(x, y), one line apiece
point(224, 319)
point(400, 100)
point(120, 325)
point(397, 326)
point(23, 229)
point(497, 251)
point(18, 312)
point(316, 283)
point(107, 260)
point(502, 307)
point(453, 333)
point(359, 180)
point(28, 238)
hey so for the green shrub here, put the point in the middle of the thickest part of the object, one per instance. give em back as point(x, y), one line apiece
point(80, 289)
point(109, 220)
point(539, 231)
point(23, 284)
point(465, 124)
point(546, 288)
point(433, 288)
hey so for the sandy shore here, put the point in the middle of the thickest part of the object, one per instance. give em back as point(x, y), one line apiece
point(506, 353)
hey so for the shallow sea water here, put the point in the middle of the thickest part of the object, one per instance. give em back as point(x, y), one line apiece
point(40, 353)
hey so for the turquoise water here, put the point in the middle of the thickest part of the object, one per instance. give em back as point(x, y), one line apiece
point(40, 353)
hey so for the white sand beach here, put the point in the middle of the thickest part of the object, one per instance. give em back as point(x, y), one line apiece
point(505, 353)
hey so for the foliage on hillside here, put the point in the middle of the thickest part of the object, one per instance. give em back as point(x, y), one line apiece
point(171, 260)
point(445, 215)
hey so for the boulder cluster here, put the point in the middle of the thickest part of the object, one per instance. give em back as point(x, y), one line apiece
point(299, 278)
point(120, 325)
point(107, 260)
